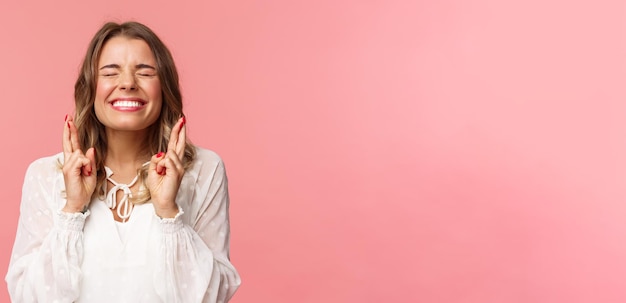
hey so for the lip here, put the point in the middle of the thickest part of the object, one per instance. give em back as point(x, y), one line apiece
point(129, 106)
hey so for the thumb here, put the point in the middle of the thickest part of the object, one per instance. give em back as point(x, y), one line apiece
point(91, 155)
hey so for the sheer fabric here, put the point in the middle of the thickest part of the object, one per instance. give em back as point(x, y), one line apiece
point(61, 257)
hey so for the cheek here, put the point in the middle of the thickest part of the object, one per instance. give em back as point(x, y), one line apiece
point(155, 90)
point(157, 106)
point(156, 95)
point(103, 89)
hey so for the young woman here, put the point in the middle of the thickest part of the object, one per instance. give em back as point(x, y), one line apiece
point(130, 211)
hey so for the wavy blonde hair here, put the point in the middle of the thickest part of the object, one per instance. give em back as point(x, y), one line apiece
point(92, 133)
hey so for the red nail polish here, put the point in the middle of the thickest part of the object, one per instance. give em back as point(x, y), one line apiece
point(184, 121)
point(65, 117)
point(159, 155)
point(68, 124)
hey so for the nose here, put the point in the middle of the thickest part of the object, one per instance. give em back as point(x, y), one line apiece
point(127, 81)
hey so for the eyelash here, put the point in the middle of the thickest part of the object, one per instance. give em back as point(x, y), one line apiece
point(142, 75)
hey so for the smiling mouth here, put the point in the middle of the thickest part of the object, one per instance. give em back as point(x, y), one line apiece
point(127, 104)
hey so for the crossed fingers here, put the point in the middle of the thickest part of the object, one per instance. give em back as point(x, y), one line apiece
point(175, 149)
point(72, 153)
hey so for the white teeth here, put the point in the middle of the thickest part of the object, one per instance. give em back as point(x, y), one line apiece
point(127, 104)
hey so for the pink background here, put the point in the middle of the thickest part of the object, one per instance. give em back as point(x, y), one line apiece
point(378, 151)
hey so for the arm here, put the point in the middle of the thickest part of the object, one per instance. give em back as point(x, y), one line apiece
point(195, 246)
point(48, 249)
point(47, 253)
point(196, 250)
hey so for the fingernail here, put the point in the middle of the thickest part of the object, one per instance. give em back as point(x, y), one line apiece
point(68, 124)
point(184, 121)
point(65, 117)
point(159, 155)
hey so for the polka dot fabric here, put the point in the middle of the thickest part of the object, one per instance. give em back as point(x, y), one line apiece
point(61, 257)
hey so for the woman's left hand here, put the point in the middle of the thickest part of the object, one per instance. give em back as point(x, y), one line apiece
point(166, 172)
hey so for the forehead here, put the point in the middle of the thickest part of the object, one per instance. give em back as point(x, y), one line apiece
point(124, 50)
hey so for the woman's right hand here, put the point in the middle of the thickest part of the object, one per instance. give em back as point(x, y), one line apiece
point(79, 170)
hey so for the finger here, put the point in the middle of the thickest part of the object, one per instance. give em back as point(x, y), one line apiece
point(167, 163)
point(155, 163)
point(182, 139)
point(166, 166)
point(76, 163)
point(174, 135)
point(73, 134)
point(174, 162)
point(89, 168)
point(170, 165)
point(161, 168)
point(67, 144)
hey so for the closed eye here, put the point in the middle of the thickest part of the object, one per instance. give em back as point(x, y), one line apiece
point(109, 70)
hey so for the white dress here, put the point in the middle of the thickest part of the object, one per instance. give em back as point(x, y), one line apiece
point(62, 257)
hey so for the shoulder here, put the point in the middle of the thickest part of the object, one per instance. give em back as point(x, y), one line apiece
point(206, 155)
point(43, 178)
point(207, 167)
point(46, 165)
point(207, 158)
point(204, 178)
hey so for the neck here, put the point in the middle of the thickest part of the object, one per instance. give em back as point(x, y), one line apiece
point(126, 150)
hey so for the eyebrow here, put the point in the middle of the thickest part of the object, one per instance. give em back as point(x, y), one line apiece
point(138, 66)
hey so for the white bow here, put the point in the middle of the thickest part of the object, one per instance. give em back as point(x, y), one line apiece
point(126, 208)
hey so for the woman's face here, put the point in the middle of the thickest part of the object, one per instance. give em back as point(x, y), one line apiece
point(128, 91)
